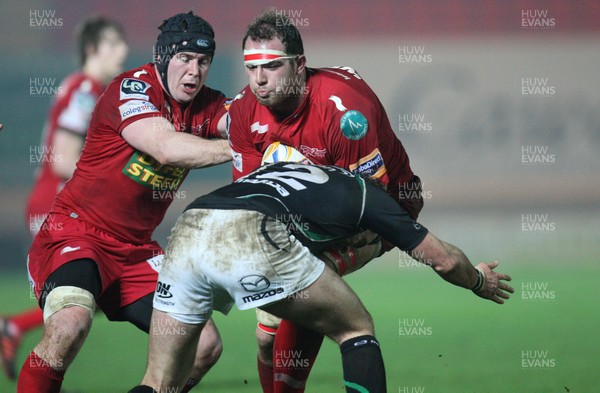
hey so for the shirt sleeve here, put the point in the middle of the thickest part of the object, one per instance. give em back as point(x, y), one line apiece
point(352, 127)
point(218, 108)
point(246, 157)
point(389, 220)
point(76, 115)
point(135, 99)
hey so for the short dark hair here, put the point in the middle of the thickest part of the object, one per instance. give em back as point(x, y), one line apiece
point(272, 24)
point(90, 33)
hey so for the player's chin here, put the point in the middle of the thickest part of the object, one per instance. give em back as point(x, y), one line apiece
point(183, 97)
point(265, 100)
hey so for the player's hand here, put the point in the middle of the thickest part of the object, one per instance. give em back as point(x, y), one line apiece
point(494, 289)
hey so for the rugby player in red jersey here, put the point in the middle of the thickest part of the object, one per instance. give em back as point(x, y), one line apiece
point(102, 52)
point(332, 117)
point(151, 125)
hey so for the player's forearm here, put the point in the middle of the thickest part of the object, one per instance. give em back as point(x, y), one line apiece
point(190, 151)
point(462, 272)
point(447, 260)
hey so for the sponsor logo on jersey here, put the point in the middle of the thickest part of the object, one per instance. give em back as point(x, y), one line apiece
point(136, 107)
point(156, 262)
point(238, 162)
point(198, 129)
point(260, 128)
point(262, 295)
point(312, 151)
point(354, 125)
point(338, 103)
point(255, 283)
point(69, 249)
point(145, 170)
point(371, 165)
point(163, 290)
point(133, 88)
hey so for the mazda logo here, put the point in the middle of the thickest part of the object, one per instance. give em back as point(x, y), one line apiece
point(255, 283)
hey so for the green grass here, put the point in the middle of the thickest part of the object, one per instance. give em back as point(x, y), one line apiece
point(471, 345)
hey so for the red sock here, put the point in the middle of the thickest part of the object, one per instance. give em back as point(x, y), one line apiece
point(265, 375)
point(28, 320)
point(294, 352)
point(38, 377)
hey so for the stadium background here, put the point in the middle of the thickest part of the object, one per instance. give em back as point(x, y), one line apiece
point(497, 105)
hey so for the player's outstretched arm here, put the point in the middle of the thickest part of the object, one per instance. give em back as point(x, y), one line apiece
point(157, 137)
point(171, 350)
point(453, 266)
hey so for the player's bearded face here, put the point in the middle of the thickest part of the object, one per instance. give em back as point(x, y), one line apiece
point(186, 75)
point(278, 82)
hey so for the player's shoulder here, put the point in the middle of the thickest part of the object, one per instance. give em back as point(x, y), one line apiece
point(210, 94)
point(339, 77)
point(341, 85)
point(135, 83)
point(243, 101)
point(80, 83)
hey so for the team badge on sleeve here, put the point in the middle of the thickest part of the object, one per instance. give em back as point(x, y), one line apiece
point(354, 125)
point(133, 88)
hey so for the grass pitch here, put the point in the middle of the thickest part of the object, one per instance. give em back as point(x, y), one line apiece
point(435, 337)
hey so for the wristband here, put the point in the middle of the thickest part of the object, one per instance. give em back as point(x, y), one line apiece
point(480, 284)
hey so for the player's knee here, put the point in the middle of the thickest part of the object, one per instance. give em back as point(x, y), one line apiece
point(360, 324)
point(65, 332)
point(265, 346)
point(65, 297)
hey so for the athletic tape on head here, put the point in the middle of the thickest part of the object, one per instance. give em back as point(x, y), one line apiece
point(256, 57)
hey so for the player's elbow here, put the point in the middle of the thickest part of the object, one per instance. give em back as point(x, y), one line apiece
point(163, 156)
point(167, 152)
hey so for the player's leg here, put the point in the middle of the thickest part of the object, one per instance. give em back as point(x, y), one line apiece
point(68, 300)
point(139, 313)
point(176, 270)
point(208, 352)
point(304, 344)
point(292, 338)
point(277, 339)
point(265, 336)
point(330, 307)
point(12, 329)
point(171, 351)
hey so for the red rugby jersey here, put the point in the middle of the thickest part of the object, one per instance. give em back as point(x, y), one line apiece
point(117, 188)
point(340, 122)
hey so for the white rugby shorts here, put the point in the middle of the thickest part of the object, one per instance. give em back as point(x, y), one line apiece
point(219, 257)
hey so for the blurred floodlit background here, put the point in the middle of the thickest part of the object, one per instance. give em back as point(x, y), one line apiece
point(496, 102)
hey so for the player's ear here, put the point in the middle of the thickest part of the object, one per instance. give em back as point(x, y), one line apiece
point(300, 64)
